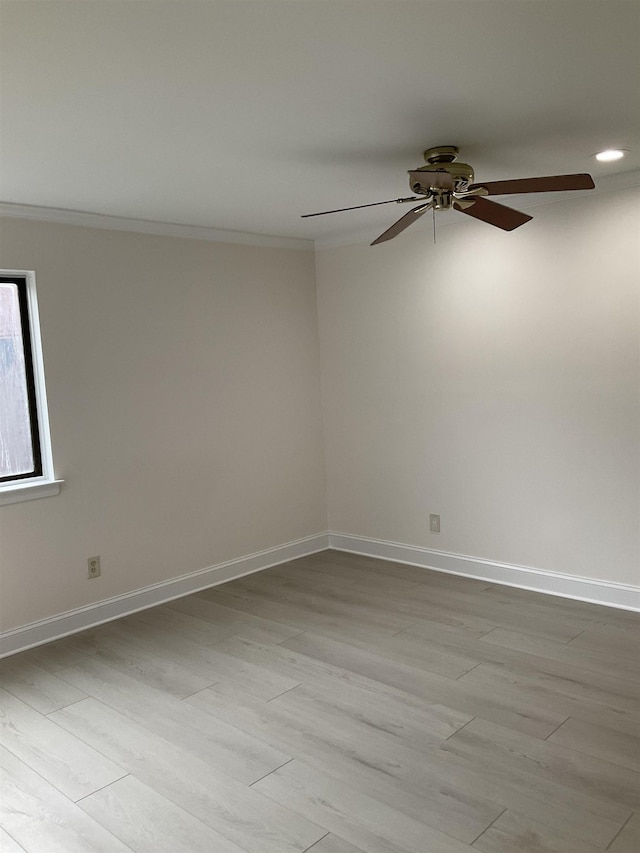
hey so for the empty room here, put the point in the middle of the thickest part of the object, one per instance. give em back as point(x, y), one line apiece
point(319, 426)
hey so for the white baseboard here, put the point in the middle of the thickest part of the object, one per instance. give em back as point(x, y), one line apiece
point(623, 596)
point(64, 624)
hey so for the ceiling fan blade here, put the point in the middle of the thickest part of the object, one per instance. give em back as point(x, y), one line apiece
point(550, 184)
point(404, 222)
point(358, 206)
point(495, 214)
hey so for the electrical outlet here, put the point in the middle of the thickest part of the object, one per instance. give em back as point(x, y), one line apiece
point(93, 567)
point(434, 523)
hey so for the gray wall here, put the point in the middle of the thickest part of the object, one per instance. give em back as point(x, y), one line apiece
point(492, 378)
point(184, 395)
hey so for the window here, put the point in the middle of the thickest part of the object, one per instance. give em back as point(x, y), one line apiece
point(26, 469)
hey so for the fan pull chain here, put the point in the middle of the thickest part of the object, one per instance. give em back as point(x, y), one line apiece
point(433, 210)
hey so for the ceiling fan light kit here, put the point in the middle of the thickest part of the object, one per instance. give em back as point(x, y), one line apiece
point(444, 184)
point(610, 155)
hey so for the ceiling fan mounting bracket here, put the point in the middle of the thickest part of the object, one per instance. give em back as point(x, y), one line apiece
point(441, 154)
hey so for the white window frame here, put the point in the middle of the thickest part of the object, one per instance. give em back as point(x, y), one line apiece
point(46, 485)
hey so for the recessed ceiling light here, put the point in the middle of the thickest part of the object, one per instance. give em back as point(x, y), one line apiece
point(609, 155)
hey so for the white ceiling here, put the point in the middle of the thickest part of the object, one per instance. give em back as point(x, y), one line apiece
point(243, 115)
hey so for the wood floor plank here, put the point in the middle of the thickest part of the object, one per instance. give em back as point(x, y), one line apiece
point(8, 844)
point(273, 611)
point(505, 615)
point(304, 611)
point(600, 742)
point(297, 577)
point(596, 614)
point(429, 686)
point(328, 601)
point(362, 568)
point(449, 581)
point(369, 761)
point(40, 689)
point(513, 833)
point(61, 653)
point(455, 794)
point(369, 733)
point(614, 689)
point(473, 624)
point(332, 844)
point(572, 680)
point(366, 723)
point(162, 654)
point(537, 603)
point(545, 800)
point(394, 709)
point(234, 621)
point(346, 580)
point(201, 788)
point(356, 817)
point(287, 662)
point(184, 626)
point(235, 753)
point(564, 652)
point(41, 819)
point(64, 761)
point(337, 703)
point(385, 711)
point(149, 823)
point(511, 686)
point(408, 649)
point(577, 770)
point(628, 839)
point(623, 642)
point(153, 669)
point(554, 672)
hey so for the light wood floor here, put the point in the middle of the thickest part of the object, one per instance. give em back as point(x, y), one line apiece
point(336, 704)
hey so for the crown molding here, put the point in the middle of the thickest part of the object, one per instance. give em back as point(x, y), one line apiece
point(86, 219)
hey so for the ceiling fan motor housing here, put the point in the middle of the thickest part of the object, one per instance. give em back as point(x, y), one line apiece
point(454, 177)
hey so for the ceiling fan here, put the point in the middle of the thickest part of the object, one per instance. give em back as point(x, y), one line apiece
point(444, 184)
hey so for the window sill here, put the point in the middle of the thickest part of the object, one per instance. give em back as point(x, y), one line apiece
point(29, 491)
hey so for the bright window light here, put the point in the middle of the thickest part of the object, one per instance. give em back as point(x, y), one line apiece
point(26, 465)
point(19, 434)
